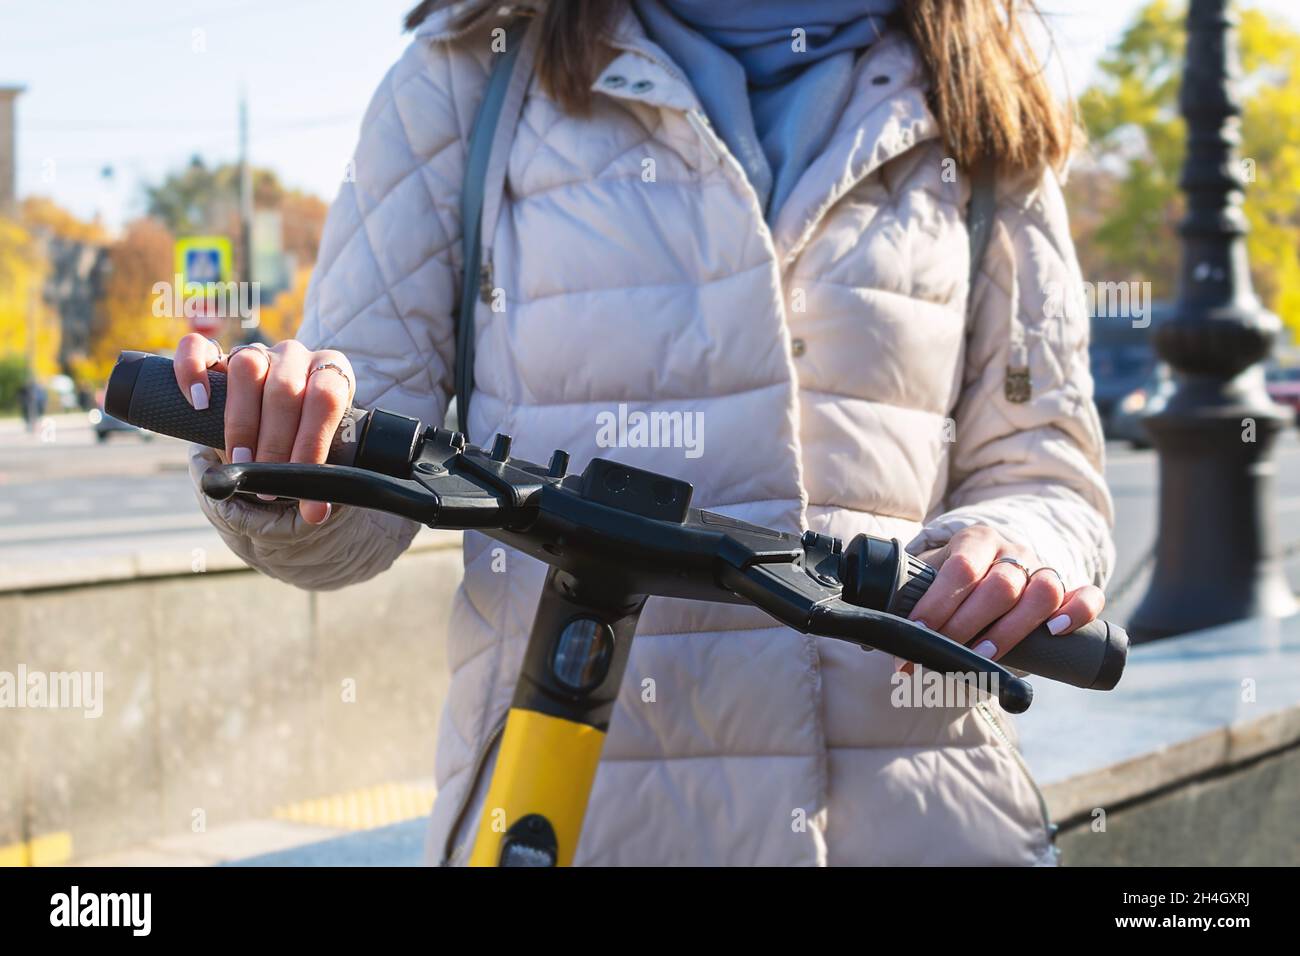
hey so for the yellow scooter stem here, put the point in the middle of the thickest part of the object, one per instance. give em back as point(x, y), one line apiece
point(546, 766)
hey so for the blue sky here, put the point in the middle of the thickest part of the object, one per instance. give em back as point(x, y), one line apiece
point(124, 84)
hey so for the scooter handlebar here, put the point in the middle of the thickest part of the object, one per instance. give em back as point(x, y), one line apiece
point(143, 391)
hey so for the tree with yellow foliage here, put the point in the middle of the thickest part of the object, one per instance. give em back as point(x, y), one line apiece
point(58, 231)
point(1128, 187)
point(125, 317)
point(29, 330)
point(281, 318)
point(42, 215)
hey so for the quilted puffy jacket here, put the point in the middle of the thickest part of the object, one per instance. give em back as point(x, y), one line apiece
point(840, 385)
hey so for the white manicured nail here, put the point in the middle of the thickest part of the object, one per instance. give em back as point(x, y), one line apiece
point(1059, 623)
point(199, 396)
point(266, 497)
point(329, 508)
point(239, 456)
point(986, 649)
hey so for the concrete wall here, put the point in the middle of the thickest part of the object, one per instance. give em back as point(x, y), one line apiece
point(223, 693)
point(1245, 816)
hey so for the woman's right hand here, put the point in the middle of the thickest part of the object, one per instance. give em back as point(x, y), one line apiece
point(281, 406)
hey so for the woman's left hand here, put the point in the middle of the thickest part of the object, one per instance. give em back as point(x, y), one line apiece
point(974, 590)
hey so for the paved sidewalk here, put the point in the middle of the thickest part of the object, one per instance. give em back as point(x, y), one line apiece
point(401, 844)
point(382, 825)
point(221, 845)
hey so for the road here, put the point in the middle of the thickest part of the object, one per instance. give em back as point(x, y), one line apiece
point(63, 494)
point(64, 497)
point(1132, 476)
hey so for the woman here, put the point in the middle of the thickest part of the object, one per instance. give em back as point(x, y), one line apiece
point(756, 214)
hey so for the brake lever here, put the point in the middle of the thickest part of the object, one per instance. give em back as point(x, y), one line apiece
point(908, 639)
point(807, 596)
point(341, 484)
point(453, 487)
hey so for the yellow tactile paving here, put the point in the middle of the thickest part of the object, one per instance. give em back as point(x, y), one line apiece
point(50, 849)
point(362, 809)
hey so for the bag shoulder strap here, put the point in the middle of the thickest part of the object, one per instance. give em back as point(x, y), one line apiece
point(979, 221)
point(480, 198)
point(1017, 385)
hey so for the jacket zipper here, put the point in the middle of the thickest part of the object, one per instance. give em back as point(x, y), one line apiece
point(450, 854)
point(1000, 732)
point(701, 127)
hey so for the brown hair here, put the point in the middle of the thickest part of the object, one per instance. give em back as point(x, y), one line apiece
point(987, 88)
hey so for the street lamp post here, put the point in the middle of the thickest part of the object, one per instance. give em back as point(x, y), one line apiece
point(1216, 559)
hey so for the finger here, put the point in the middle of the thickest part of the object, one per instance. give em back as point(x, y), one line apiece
point(195, 354)
point(1082, 606)
point(326, 398)
point(246, 373)
point(282, 402)
point(964, 566)
point(993, 597)
point(1037, 603)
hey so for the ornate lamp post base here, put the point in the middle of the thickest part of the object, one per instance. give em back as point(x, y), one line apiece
point(1215, 558)
point(1216, 561)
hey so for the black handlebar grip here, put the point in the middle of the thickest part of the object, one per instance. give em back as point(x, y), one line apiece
point(142, 391)
point(1091, 657)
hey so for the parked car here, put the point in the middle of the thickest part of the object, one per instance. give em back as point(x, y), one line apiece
point(1127, 419)
point(105, 424)
point(1283, 383)
point(1122, 362)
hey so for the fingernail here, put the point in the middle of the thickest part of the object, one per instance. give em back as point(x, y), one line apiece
point(199, 396)
point(324, 518)
point(1059, 623)
point(239, 456)
point(986, 649)
point(266, 497)
point(922, 623)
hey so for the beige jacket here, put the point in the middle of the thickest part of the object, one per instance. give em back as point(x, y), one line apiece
point(839, 386)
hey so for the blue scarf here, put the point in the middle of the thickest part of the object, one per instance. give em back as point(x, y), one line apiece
point(774, 106)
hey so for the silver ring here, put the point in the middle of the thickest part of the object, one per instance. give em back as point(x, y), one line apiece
point(1054, 571)
point(1018, 563)
point(250, 345)
point(338, 368)
point(217, 345)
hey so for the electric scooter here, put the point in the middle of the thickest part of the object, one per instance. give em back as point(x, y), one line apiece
point(612, 536)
